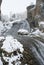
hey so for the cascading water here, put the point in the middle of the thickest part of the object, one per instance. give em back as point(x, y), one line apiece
point(36, 44)
point(38, 50)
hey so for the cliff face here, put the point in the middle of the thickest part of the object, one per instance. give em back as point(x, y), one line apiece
point(36, 11)
point(40, 8)
point(0, 8)
point(0, 2)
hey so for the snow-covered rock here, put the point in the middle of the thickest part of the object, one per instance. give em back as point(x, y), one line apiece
point(23, 32)
point(36, 32)
point(41, 25)
point(23, 24)
point(10, 45)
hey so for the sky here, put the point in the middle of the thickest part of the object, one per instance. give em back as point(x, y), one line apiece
point(15, 6)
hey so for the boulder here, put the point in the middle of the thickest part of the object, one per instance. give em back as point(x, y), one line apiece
point(23, 24)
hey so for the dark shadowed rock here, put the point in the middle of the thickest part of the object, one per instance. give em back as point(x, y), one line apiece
point(0, 8)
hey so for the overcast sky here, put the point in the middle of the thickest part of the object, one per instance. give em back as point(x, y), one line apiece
point(15, 6)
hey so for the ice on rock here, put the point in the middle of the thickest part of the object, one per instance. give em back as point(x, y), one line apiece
point(23, 32)
point(10, 45)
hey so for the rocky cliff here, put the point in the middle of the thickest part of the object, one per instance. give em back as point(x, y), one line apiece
point(36, 12)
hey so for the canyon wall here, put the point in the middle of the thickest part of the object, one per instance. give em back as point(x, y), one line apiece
point(36, 12)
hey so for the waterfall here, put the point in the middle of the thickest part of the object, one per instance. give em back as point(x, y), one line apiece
point(38, 50)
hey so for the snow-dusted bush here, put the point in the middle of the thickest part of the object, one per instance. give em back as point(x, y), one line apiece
point(11, 47)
